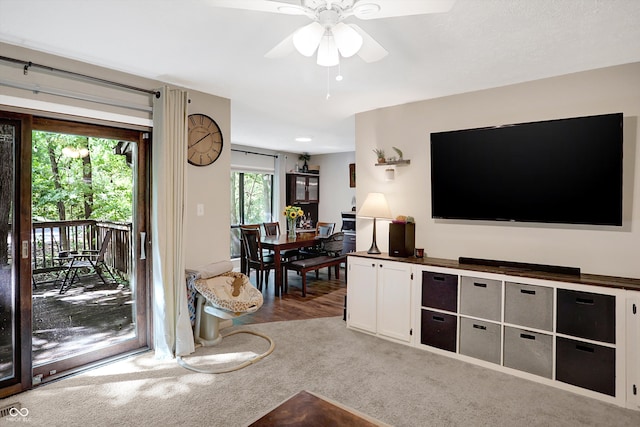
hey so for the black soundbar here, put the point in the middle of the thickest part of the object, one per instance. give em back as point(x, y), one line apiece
point(556, 269)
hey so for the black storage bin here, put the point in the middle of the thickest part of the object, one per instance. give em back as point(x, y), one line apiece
point(440, 291)
point(586, 365)
point(439, 330)
point(587, 315)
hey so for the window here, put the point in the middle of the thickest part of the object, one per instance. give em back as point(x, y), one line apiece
point(251, 203)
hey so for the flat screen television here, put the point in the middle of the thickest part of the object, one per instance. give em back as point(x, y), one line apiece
point(566, 171)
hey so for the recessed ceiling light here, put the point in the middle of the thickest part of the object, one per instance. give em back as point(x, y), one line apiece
point(303, 139)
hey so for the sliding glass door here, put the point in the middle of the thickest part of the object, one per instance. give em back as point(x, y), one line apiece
point(73, 244)
point(15, 215)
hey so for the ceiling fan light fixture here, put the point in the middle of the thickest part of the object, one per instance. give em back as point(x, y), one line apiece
point(347, 39)
point(327, 51)
point(307, 38)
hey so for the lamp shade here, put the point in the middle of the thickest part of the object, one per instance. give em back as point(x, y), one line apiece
point(375, 206)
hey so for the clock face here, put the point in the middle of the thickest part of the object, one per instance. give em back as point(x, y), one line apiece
point(205, 140)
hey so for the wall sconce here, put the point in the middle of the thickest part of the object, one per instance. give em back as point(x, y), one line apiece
point(389, 174)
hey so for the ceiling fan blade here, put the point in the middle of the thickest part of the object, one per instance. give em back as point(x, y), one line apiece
point(282, 49)
point(376, 9)
point(306, 39)
point(347, 39)
point(291, 7)
point(371, 50)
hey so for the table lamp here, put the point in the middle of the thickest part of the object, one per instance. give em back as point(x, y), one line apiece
point(375, 206)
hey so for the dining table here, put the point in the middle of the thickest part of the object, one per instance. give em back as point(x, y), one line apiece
point(281, 243)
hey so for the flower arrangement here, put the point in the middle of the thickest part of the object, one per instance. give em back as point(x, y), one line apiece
point(292, 213)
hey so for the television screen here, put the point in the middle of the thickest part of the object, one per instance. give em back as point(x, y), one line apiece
point(560, 171)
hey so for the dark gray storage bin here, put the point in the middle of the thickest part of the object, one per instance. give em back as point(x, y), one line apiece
point(587, 315)
point(586, 365)
point(480, 339)
point(529, 305)
point(440, 291)
point(528, 351)
point(481, 298)
point(439, 330)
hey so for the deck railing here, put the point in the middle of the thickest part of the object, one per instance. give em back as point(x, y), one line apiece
point(50, 238)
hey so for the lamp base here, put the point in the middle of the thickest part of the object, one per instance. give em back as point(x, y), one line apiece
point(374, 249)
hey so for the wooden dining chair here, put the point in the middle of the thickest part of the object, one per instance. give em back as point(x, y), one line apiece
point(323, 230)
point(255, 256)
point(273, 229)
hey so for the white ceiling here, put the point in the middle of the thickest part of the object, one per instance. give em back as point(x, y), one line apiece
point(478, 44)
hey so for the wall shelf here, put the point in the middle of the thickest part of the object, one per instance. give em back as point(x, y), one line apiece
point(395, 162)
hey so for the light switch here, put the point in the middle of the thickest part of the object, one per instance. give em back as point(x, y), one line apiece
point(200, 209)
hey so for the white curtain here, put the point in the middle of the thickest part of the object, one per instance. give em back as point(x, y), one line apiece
point(171, 325)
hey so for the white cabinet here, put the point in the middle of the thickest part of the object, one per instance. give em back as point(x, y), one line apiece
point(379, 297)
point(579, 334)
point(394, 300)
point(361, 294)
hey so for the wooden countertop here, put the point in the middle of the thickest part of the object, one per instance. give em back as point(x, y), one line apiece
point(585, 279)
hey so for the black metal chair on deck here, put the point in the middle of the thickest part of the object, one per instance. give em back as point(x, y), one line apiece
point(89, 259)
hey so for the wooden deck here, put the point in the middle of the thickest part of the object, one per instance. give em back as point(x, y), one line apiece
point(91, 315)
point(88, 316)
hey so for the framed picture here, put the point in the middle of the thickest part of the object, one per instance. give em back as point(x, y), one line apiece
point(352, 175)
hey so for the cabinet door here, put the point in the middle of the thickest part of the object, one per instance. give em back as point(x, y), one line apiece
point(394, 300)
point(633, 349)
point(313, 193)
point(300, 189)
point(361, 294)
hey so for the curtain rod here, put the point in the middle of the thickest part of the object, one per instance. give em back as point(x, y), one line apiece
point(28, 64)
point(257, 154)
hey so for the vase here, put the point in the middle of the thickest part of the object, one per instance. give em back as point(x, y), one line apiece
point(291, 228)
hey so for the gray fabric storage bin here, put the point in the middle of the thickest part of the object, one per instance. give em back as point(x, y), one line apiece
point(528, 305)
point(481, 298)
point(480, 339)
point(528, 351)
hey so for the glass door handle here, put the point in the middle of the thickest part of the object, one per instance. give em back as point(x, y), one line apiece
point(143, 241)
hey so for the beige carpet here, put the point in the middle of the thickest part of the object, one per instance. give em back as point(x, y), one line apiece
point(395, 384)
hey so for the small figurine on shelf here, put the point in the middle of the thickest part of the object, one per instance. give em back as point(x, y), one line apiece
point(397, 150)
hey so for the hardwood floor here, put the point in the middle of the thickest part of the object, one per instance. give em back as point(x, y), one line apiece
point(325, 298)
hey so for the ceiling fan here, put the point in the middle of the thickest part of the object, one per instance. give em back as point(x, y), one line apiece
point(328, 35)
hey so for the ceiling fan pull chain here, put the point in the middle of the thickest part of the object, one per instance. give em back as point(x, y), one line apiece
point(328, 82)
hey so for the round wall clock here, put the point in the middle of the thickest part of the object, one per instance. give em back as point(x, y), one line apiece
point(204, 141)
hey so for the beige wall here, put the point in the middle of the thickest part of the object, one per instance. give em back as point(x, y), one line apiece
point(335, 193)
point(598, 250)
point(207, 236)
